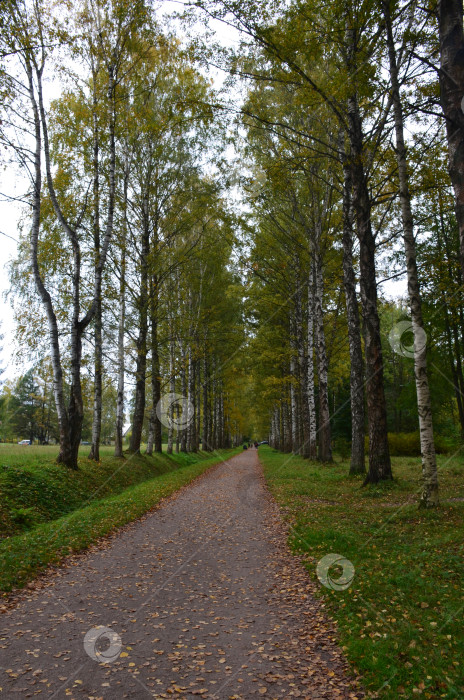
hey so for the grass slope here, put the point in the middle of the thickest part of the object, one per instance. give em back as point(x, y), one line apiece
point(34, 489)
point(401, 619)
point(96, 501)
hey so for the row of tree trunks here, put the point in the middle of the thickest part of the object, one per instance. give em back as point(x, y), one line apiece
point(294, 421)
point(208, 420)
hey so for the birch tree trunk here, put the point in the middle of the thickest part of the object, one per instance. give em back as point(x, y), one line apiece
point(183, 382)
point(120, 404)
point(287, 423)
point(71, 430)
point(293, 391)
point(310, 370)
point(177, 437)
point(141, 343)
point(210, 405)
point(458, 357)
point(198, 404)
point(450, 21)
point(191, 428)
point(155, 432)
point(215, 414)
point(214, 406)
point(325, 450)
point(379, 453)
point(273, 439)
point(272, 427)
point(172, 389)
point(429, 495)
point(34, 242)
point(218, 421)
point(305, 428)
point(70, 437)
point(206, 419)
point(221, 421)
point(118, 445)
point(98, 325)
point(357, 464)
point(151, 434)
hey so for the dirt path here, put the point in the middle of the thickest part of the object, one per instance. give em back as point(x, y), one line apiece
point(201, 598)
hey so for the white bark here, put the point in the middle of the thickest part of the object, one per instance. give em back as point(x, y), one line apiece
point(172, 389)
point(34, 243)
point(293, 392)
point(429, 495)
point(310, 369)
point(325, 450)
point(118, 450)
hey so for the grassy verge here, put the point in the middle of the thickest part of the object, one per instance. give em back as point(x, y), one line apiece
point(400, 621)
point(22, 556)
point(34, 489)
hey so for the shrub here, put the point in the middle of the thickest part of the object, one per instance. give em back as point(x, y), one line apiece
point(408, 444)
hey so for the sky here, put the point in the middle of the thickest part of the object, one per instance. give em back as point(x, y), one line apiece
point(12, 184)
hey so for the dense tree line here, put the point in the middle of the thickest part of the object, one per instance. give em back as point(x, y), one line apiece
point(128, 258)
point(266, 316)
point(332, 89)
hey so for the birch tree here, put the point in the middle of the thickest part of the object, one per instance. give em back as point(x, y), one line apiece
point(429, 495)
point(34, 39)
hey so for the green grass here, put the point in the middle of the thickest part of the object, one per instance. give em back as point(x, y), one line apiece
point(34, 489)
point(400, 621)
point(92, 502)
